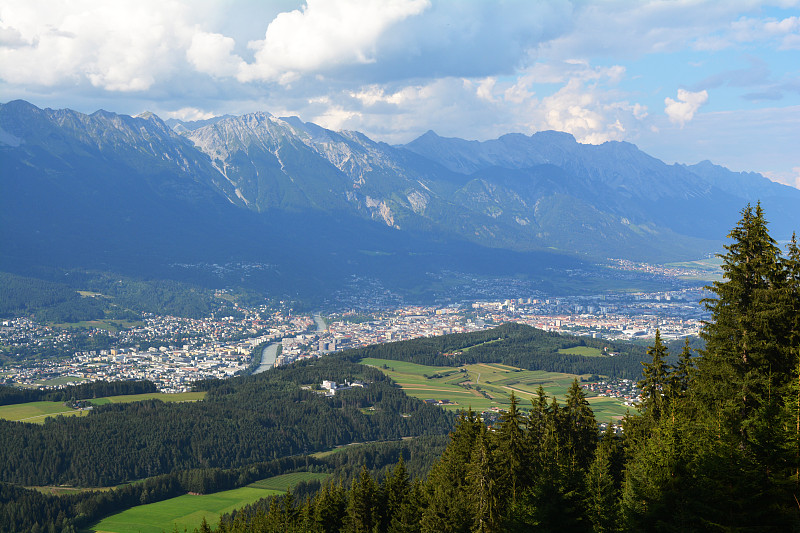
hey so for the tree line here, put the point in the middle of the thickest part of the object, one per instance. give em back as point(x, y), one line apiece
point(241, 421)
point(23, 510)
point(515, 345)
point(84, 391)
point(715, 445)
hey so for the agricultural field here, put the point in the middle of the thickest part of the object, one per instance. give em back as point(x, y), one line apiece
point(708, 269)
point(586, 351)
point(187, 511)
point(61, 380)
point(36, 412)
point(485, 385)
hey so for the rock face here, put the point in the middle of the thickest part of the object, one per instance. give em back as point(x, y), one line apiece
point(141, 176)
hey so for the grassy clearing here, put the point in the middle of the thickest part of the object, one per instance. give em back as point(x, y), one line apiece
point(33, 411)
point(62, 491)
point(179, 397)
point(61, 380)
point(704, 269)
point(285, 481)
point(112, 326)
point(187, 511)
point(586, 351)
point(36, 412)
point(485, 385)
point(609, 408)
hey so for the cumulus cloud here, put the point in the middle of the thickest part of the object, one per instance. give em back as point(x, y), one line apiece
point(682, 110)
point(323, 34)
point(188, 114)
point(585, 103)
point(119, 46)
point(783, 32)
point(212, 53)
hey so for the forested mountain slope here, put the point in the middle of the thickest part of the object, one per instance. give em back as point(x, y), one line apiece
point(714, 447)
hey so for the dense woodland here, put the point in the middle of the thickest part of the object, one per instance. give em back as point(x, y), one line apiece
point(515, 345)
point(24, 509)
point(241, 421)
point(715, 447)
point(95, 389)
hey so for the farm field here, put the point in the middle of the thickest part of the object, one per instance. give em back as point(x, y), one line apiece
point(187, 511)
point(36, 412)
point(586, 351)
point(485, 385)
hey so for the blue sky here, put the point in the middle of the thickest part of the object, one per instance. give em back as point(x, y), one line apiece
point(684, 80)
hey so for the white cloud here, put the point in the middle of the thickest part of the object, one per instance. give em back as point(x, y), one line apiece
point(188, 114)
point(485, 89)
point(116, 46)
point(324, 34)
point(682, 110)
point(792, 179)
point(212, 53)
point(586, 104)
point(783, 32)
point(753, 140)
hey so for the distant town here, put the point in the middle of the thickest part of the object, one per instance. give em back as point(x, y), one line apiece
point(174, 352)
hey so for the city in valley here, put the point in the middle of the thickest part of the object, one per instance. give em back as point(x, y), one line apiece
point(173, 352)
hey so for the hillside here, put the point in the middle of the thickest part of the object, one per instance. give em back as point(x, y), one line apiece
point(314, 207)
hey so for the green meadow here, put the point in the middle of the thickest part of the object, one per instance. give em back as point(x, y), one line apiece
point(586, 351)
point(187, 511)
point(485, 385)
point(36, 412)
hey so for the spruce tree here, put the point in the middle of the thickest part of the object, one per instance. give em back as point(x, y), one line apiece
point(792, 299)
point(448, 505)
point(742, 385)
point(744, 365)
point(484, 488)
point(396, 488)
point(362, 508)
point(603, 485)
point(654, 381)
point(511, 448)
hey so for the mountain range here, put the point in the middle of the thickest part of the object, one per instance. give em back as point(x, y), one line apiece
point(113, 190)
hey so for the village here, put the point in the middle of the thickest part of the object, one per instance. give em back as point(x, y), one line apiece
point(174, 352)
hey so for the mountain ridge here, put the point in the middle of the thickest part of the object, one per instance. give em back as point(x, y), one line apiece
point(247, 186)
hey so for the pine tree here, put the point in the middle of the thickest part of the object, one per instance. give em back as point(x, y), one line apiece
point(682, 374)
point(603, 486)
point(330, 504)
point(654, 381)
point(483, 485)
point(362, 508)
point(511, 448)
point(396, 488)
point(744, 365)
point(407, 520)
point(580, 428)
point(742, 384)
point(448, 506)
point(792, 299)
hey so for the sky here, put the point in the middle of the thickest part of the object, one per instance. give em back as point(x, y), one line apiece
point(685, 80)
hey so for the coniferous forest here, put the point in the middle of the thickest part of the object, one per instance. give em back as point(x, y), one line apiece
point(715, 446)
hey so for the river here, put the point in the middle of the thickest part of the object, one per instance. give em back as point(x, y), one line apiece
point(270, 352)
point(268, 356)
